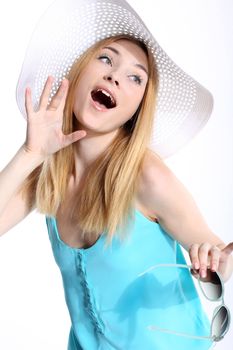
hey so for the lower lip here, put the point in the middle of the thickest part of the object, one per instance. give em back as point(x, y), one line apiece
point(97, 106)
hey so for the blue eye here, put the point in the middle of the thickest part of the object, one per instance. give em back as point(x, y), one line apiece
point(105, 57)
point(137, 79)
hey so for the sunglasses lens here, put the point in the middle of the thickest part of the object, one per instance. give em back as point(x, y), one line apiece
point(211, 285)
point(220, 322)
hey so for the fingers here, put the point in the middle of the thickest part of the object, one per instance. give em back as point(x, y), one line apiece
point(28, 102)
point(193, 253)
point(59, 98)
point(215, 253)
point(211, 256)
point(71, 138)
point(46, 93)
point(204, 256)
point(228, 249)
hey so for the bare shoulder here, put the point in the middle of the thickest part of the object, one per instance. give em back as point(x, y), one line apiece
point(154, 173)
point(154, 170)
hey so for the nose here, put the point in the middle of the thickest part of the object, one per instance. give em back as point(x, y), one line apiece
point(110, 78)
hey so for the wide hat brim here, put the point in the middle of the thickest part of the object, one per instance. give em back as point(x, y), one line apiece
point(69, 27)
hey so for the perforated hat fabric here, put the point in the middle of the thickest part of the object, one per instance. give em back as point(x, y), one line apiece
point(69, 27)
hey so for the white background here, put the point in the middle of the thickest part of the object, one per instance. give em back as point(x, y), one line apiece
point(197, 34)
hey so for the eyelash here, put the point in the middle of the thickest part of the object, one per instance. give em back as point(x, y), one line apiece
point(105, 56)
point(139, 79)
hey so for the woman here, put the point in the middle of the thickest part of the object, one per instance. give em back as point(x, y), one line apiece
point(86, 165)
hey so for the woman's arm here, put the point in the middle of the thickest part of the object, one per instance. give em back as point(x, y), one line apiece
point(13, 208)
point(179, 215)
point(43, 138)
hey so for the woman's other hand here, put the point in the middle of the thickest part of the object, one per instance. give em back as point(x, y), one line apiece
point(218, 259)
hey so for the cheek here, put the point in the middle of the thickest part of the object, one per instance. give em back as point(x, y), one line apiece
point(134, 92)
point(76, 101)
point(80, 95)
point(132, 101)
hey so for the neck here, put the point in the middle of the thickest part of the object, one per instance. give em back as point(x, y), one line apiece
point(88, 149)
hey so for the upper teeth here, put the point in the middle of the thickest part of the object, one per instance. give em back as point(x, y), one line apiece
point(107, 94)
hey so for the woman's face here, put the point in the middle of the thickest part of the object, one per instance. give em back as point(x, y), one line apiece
point(111, 87)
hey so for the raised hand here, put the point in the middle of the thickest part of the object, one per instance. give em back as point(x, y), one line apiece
point(44, 127)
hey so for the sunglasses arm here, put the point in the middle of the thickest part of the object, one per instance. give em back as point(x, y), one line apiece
point(164, 330)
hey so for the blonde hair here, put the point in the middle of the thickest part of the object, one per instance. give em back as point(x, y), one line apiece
point(105, 201)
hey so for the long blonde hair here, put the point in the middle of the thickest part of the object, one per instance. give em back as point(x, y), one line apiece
point(105, 201)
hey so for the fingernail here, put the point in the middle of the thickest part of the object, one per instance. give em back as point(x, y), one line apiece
point(203, 273)
point(213, 267)
point(196, 265)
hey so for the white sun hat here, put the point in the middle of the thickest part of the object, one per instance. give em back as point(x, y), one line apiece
point(69, 27)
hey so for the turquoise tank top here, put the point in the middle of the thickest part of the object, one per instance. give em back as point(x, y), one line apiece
point(111, 306)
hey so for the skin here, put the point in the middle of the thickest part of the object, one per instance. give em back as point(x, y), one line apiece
point(118, 73)
point(172, 204)
point(97, 129)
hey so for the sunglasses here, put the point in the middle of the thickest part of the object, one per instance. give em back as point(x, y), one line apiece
point(212, 288)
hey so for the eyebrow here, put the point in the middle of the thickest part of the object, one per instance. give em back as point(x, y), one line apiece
point(118, 53)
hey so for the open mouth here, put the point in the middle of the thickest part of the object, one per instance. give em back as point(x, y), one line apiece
point(103, 98)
